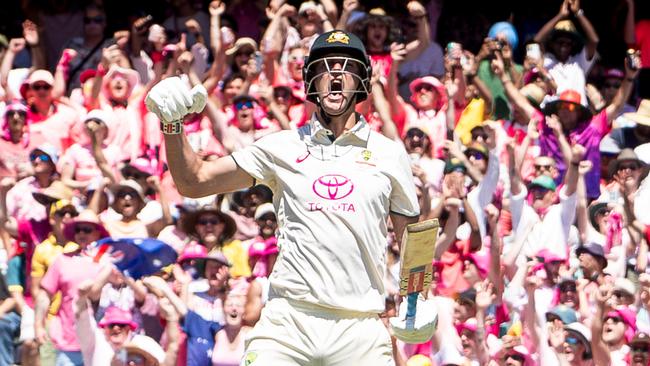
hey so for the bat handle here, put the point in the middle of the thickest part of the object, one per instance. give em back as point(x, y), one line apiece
point(411, 308)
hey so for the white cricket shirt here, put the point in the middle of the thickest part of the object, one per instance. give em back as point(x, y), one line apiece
point(332, 200)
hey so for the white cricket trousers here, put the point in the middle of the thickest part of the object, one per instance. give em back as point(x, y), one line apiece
point(292, 333)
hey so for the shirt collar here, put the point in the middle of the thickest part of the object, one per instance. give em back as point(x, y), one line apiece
point(320, 133)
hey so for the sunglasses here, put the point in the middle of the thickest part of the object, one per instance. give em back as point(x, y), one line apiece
point(83, 229)
point(425, 87)
point(41, 157)
point(476, 155)
point(615, 319)
point(204, 222)
point(632, 167)
point(620, 294)
point(38, 87)
point(118, 325)
point(568, 106)
point(244, 53)
point(135, 175)
point(124, 194)
point(96, 20)
point(414, 132)
point(516, 357)
point(546, 167)
point(281, 93)
point(639, 349)
point(63, 213)
point(568, 288)
point(476, 135)
point(571, 340)
point(240, 105)
point(20, 113)
point(135, 359)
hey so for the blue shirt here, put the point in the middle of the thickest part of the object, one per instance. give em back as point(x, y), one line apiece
point(200, 339)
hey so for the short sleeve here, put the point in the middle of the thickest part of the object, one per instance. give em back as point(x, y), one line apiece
point(15, 274)
point(599, 122)
point(38, 262)
point(256, 159)
point(403, 199)
point(50, 281)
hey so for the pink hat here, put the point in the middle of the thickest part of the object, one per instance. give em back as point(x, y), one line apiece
point(263, 248)
point(470, 324)
point(547, 256)
point(440, 89)
point(85, 217)
point(195, 251)
point(132, 78)
point(115, 315)
point(614, 74)
point(41, 75)
point(629, 319)
point(141, 164)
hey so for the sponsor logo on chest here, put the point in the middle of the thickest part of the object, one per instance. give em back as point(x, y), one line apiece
point(333, 189)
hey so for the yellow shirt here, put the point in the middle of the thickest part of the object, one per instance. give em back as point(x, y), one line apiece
point(237, 254)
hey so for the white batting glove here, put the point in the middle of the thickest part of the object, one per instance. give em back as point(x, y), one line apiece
point(171, 100)
point(426, 320)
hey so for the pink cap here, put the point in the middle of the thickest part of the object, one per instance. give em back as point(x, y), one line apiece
point(115, 315)
point(481, 261)
point(629, 319)
point(196, 251)
point(549, 256)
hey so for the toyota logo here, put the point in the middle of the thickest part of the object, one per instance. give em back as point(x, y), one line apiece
point(333, 187)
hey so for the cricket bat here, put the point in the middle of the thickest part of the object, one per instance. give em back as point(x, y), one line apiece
point(416, 259)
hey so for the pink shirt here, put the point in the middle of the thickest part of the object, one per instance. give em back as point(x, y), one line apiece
point(53, 129)
point(21, 204)
point(14, 159)
point(226, 354)
point(65, 275)
point(81, 159)
point(126, 130)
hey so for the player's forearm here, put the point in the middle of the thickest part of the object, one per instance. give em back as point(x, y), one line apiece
point(183, 162)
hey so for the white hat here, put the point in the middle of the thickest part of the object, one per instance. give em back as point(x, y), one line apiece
point(147, 347)
point(100, 115)
point(625, 285)
point(263, 209)
point(643, 152)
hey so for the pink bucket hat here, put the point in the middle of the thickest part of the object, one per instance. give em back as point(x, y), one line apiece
point(115, 315)
point(132, 78)
point(437, 85)
point(481, 261)
point(629, 319)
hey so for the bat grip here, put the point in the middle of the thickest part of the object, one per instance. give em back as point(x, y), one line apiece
point(411, 309)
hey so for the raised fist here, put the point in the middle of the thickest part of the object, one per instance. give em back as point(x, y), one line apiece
point(171, 100)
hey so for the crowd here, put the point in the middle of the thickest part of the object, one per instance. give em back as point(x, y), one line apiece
point(535, 166)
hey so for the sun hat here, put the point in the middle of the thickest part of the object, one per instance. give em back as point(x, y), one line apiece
point(625, 155)
point(643, 152)
point(146, 347)
point(263, 209)
point(562, 312)
point(40, 75)
point(545, 182)
point(640, 338)
point(594, 249)
point(625, 285)
point(595, 209)
point(132, 79)
point(48, 149)
point(435, 83)
point(129, 184)
point(642, 114)
point(533, 93)
point(101, 116)
point(196, 251)
point(477, 147)
point(85, 217)
point(628, 316)
point(189, 222)
point(241, 43)
point(115, 315)
point(566, 28)
point(454, 165)
point(57, 191)
point(548, 256)
point(138, 165)
point(572, 98)
point(481, 261)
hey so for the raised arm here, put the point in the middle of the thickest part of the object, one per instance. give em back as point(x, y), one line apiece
point(380, 103)
point(171, 316)
point(418, 13)
point(591, 41)
point(571, 178)
point(623, 93)
point(171, 100)
point(541, 35)
point(599, 349)
point(511, 90)
point(348, 7)
point(15, 46)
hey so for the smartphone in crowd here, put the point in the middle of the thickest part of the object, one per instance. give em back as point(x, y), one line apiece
point(533, 51)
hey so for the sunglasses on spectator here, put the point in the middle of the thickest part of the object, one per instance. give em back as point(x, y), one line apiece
point(631, 166)
point(83, 229)
point(281, 93)
point(125, 193)
point(571, 340)
point(476, 135)
point(204, 222)
point(244, 53)
point(516, 357)
point(135, 175)
point(620, 294)
point(64, 213)
point(546, 167)
point(41, 86)
point(96, 20)
point(476, 155)
point(615, 319)
point(119, 325)
point(300, 59)
point(41, 157)
point(425, 87)
point(241, 105)
point(415, 132)
point(20, 113)
point(568, 287)
point(568, 106)
point(639, 348)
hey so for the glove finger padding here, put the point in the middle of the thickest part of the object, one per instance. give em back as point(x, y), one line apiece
point(199, 98)
point(426, 320)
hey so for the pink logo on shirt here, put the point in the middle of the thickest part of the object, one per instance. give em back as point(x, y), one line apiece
point(333, 187)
